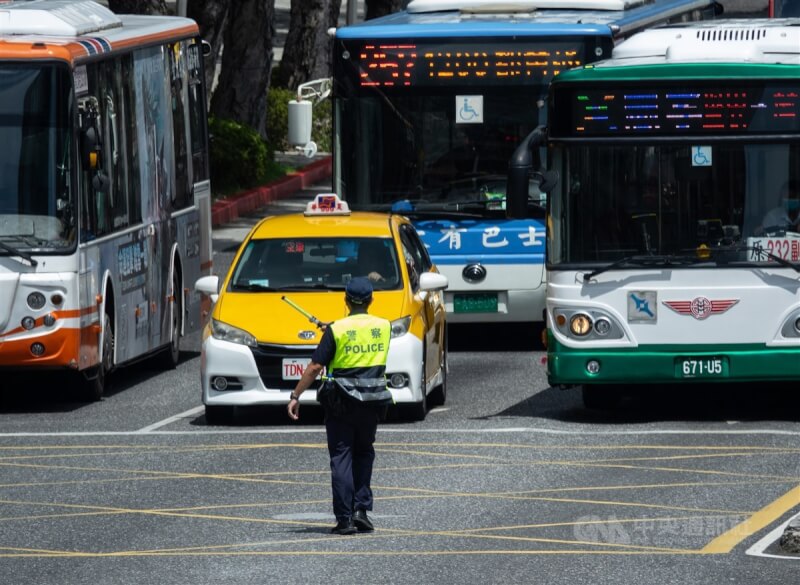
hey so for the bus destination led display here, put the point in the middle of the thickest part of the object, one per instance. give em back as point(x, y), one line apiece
point(398, 65)
point(768, 108)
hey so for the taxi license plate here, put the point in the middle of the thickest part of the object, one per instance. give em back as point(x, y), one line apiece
point(293, 368)
point(475, 303)
point(701, 367)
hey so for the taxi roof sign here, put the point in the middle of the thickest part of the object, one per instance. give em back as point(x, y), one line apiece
point(327, 204)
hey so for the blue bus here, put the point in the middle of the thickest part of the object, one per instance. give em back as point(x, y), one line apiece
point(429, 105)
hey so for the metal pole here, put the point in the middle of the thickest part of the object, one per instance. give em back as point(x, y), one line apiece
point(352, 11)
point(182, 7)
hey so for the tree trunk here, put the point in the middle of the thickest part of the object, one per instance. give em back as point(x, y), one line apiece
point(211, 16)
point(138, 6)
point(307, 50)
point(376, 8)
point(241, 94)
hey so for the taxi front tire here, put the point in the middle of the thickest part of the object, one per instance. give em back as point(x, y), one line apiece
point(219, 415)
point(418, 410)
point(439, 394)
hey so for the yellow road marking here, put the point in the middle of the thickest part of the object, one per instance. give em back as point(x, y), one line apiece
point(722, 544)
point(726, 541)
point(337, 553)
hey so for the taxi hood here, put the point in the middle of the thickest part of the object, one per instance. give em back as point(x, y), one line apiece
point(272, 320)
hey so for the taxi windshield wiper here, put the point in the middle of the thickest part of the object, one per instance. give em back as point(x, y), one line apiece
point(758, 252)
point(647, 260)
point(312, 286)
point(15, 252)
point(253, 286)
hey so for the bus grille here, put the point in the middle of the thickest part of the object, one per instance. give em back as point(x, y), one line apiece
point(732, 34)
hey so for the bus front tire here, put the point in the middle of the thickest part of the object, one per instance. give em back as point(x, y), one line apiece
point(95, 381)
point(171, 354)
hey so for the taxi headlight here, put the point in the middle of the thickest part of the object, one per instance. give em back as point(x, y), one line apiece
point(220, 330)
point(400, 326)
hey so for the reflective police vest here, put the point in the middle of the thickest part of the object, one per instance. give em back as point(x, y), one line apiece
point(359, 365)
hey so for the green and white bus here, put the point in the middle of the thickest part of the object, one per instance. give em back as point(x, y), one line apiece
point(673, 248)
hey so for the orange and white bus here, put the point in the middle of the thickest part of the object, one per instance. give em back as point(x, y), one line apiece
point(104, 187)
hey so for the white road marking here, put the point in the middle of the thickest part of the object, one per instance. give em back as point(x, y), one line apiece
point(757, 550)
point(400, 430)
point(162, 423)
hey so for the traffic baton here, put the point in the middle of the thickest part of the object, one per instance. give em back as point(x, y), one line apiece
point(303, 312)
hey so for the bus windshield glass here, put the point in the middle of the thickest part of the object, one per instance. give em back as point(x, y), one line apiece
point(436, 122)
point(36, 200)
point(726, 203)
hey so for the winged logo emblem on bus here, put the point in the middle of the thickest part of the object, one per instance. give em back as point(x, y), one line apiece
point(701, 307)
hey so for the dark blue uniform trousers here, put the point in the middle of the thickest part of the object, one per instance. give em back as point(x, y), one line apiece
point(350, 439)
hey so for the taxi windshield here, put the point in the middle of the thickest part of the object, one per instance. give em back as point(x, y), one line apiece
point(316, 264)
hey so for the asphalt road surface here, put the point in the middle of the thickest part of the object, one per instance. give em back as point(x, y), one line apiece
point(510, 482)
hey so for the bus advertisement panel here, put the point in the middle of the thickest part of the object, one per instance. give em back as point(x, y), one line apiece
point(674, 250)
point(429, 104)
point(104, 191)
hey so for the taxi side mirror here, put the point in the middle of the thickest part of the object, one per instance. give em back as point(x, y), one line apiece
point(208, 285)
point(433, 281)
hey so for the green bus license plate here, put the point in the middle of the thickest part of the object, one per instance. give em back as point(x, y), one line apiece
point(705, 367)
point(475, 303)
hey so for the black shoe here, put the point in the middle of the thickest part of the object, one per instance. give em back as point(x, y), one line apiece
point(362, 521)
point(344, 527)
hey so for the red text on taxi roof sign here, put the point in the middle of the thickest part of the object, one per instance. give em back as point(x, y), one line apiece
point(327, 204)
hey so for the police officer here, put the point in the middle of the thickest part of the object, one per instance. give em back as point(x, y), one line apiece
point(354, 396)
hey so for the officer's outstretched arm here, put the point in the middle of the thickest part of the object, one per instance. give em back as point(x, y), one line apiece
point(311, 373)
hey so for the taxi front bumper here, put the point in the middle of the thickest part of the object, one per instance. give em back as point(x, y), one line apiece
point(247, 385)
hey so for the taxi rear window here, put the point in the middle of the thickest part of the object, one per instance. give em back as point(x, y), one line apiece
point(316, 263)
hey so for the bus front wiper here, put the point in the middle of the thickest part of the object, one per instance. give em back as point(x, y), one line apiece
point(759, 252)
point(15, 252)
point(647, 260)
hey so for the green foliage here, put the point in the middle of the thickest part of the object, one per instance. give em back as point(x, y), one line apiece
point(240, 159)
point(278, 120)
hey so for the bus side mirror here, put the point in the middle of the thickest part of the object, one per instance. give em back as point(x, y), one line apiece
point(519, 173)
point(547, 180)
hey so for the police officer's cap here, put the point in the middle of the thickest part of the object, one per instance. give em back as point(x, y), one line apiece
point(359, 290)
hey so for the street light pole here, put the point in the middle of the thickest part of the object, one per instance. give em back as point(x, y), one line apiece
point(352, 11)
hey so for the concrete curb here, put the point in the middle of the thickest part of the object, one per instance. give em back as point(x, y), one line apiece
point(231, 208)
point(789, 541)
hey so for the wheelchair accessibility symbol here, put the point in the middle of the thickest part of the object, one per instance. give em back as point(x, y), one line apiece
point(701, 156)
point(469, 109)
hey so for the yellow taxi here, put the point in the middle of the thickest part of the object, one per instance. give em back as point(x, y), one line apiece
point(289, 274)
